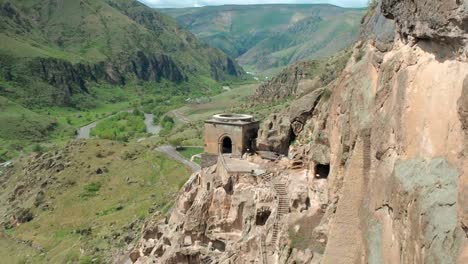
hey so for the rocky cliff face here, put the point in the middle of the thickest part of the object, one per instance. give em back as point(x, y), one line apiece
point(383, 157)
point(302, 78)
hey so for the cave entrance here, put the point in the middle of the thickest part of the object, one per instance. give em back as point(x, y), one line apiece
point(219, 245)
point(262, 216)
point(322, 171)
point(226, 145)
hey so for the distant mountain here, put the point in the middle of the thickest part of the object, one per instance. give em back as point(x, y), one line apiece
point(265, 37)
point(53, 50)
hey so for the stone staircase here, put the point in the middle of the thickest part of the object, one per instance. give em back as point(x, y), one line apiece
point(283, 209)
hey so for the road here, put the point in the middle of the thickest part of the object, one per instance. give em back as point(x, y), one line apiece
point(85, 131)
point(172, 152)
point(181, 117)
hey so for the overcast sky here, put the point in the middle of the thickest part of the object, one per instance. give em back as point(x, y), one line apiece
point(193, 3)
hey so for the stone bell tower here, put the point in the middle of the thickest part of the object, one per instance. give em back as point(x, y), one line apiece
point(233, 134)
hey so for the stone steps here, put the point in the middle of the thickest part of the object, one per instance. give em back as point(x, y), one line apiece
point(283, 209)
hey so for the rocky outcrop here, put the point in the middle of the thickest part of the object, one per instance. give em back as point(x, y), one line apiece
point(279, 130)
point(224, 216)
point(440, 22)
point(154, 68)
point(76, 78)
point(286, 83)
point(302, 78)
point(434, 20)
point(379, 29)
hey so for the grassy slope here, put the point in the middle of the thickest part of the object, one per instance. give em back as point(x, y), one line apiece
point(266, 37)
point(20, 128)
point(142, 180)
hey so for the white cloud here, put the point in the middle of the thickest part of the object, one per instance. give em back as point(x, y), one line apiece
point(196, 3)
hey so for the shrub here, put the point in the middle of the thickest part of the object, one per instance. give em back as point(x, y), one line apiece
point(38, 148)
point(91, 190)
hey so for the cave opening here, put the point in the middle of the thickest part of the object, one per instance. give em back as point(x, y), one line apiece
point(219, 245)
point(322, 171)
point(262, 216)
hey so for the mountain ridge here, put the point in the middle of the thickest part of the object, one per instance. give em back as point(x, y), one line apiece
point(272, 36)
point(111, 41)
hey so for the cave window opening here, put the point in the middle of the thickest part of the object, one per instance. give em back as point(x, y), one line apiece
point(261, 217)
point(208, 185)
point(322, 171)
point(226, 147)
point(270, 126)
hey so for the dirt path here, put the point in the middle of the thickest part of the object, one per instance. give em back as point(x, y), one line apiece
point(171, 151)
point(180, 117)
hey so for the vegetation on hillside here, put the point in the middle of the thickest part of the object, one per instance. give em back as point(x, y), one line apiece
point(122, 126)
point(88, 209)
point(266, 38)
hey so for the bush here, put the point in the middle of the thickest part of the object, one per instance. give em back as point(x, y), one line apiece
point(167, 124)
point(91, 190)
point(37, 148)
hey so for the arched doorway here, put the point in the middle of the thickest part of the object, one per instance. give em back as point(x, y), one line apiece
point(226, 145)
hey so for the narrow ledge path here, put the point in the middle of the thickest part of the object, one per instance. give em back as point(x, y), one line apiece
point(172, 152)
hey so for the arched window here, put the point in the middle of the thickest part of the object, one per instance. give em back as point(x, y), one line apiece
point(226, 146)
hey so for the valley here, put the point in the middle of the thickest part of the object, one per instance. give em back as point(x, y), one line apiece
point(270, 133)
point(266, 38)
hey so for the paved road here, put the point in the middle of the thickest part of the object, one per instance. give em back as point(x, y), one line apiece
point(172, 152)
point(85, 131)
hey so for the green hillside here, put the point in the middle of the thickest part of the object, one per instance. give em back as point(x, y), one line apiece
point(269, 37)
point(68, 44)
point(59, 58)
